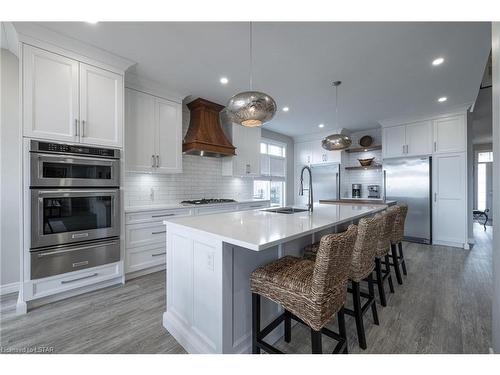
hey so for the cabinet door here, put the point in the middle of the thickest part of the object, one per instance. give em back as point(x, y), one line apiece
point(332, 156)
point(50, 95)
point(101, 106)
point(393, 141)
point(419, 138)
point(247, 159)
point(449, 134)
point(169, 140)
point(303, 153)
point(449, 220)
point(140, 131)
point(318, 152)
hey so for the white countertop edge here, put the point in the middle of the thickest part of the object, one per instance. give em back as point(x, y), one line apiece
point(258, 247)
point(176, 206)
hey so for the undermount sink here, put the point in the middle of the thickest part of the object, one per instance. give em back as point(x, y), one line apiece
point(286, 210)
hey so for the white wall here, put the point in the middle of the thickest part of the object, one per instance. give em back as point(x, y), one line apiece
point(496, 185)
point(201, 178)
point(10, 167)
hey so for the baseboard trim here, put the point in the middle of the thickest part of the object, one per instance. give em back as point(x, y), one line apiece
point(146, 271)
point(9, 288)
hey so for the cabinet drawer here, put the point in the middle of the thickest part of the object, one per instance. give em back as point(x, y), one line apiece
point(252, 206)
point(145, 257)
point(73, 280)
point(158, 216)
point(215, 210)
point(145, 234)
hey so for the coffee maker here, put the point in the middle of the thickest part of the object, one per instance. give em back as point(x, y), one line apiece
point(356, 190)
point(373, 191)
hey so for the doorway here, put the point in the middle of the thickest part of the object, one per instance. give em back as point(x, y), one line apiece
point(483, 199)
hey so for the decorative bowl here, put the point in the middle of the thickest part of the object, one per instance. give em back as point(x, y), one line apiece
point(366, 162)
point(366, 141)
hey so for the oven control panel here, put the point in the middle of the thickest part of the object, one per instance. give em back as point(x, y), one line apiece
point(74, 149)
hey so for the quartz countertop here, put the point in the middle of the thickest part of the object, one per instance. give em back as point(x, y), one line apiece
point(261, 229)
point(172, 206)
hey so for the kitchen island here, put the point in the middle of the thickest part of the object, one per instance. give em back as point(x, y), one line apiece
point(210, 259)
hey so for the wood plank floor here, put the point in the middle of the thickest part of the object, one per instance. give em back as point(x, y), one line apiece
point(444, 306)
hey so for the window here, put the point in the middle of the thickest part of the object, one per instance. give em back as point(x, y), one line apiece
point(273, 171)
point(485, 157)
point(484, 160)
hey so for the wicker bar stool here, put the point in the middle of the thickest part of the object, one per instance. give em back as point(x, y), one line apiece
point(383, 249)
point(398, 259)
point(311, 292)
point(362, 266)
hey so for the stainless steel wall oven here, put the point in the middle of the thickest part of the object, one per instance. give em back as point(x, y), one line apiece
point(75, 207)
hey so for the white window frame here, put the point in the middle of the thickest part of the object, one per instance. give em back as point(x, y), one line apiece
point(269, 177)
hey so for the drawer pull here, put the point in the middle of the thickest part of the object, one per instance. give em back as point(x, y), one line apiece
point(256, 205)
point(80, 278)
point(160, 232)
point(164, 215)
point(79, 264)
point(157, 255)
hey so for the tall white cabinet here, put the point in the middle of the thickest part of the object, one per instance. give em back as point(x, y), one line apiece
point(68, 100)
point(246, 162)
point(153, 127)
point(445, 139)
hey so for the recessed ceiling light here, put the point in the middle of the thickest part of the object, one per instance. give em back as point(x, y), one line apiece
point(442, 99)
point(92, 22)
point(438, 61)
point(321, 125)
point(286, 109)
point(224, 80)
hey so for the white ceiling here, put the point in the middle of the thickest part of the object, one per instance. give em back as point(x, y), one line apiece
point(385, 67)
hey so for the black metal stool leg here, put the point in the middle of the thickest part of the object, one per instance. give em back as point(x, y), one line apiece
point(388, 270)
point(358, 314)
point(372, 297)
point(395, 263)
point(288, 326)
point(380, 282)
point(402, 257)
point(255, 322)
point(316, 342)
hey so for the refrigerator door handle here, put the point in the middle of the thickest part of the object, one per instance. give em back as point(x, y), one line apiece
point(385, 185)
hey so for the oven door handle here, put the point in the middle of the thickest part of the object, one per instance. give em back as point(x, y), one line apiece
point(55, 252)
point(58, 192)
point(72, 159)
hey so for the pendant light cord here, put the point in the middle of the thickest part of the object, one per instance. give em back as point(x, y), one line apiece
point(251, 57)
point(337, 106)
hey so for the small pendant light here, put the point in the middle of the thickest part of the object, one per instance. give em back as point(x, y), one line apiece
point(335, 142)
point(251, 108)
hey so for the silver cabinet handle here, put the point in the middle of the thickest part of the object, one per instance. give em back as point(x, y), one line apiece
point(157, 255)
point(152, 161)
point(164, 215)
point(79, 264)
point(76, 127)
point(403, 149)
point(160, 232)
point(435, 146)
point(255, 205)
point(435, 197)
point(157, 161)
point(78, 279)
point(248, 168)
point(83, 128)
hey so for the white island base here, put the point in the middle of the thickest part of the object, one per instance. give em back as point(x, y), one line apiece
point(209, 262)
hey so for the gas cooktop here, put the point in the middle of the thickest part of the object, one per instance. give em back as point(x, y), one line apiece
point(208, 201)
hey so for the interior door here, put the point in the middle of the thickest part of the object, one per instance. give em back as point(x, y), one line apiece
point(50, 95)
point(141, 133)
point(101, 106)
point(169, 141)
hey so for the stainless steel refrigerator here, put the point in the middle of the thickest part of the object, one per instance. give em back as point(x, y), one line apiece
point(408, 180)
point(326, 182)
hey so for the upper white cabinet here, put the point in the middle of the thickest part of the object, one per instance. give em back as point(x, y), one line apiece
point(101, 106)
point(313, 153)
point(450, 134)
point(247, 159)
point(153, 136)
point(407, 140)
point(433, 136)
point(50, 95)
point(66, 100)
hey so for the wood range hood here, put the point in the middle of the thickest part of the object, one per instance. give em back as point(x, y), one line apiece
point(205, 136)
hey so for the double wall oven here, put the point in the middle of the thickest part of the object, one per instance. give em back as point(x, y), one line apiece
point(75, 207)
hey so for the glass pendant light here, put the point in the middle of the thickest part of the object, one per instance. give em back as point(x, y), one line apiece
point(251, 108)
point(335, 142)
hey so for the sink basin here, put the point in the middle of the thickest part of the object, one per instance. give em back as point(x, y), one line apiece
point(286, 210)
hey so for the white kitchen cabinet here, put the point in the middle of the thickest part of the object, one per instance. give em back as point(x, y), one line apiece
point(450, 134)
point(412, 139)
point(66, 100)
point(153, 136)
point(312, 153)
point(50, 95)
point(303, 153)
point(449, 211)
point(393, 141)
point(246, 162)
point(101, 106)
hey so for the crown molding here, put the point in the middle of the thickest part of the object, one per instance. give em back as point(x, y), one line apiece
point(148, 86)
point(45, 38)
point(9, 38)
point(458, 110)
point(319, 135)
